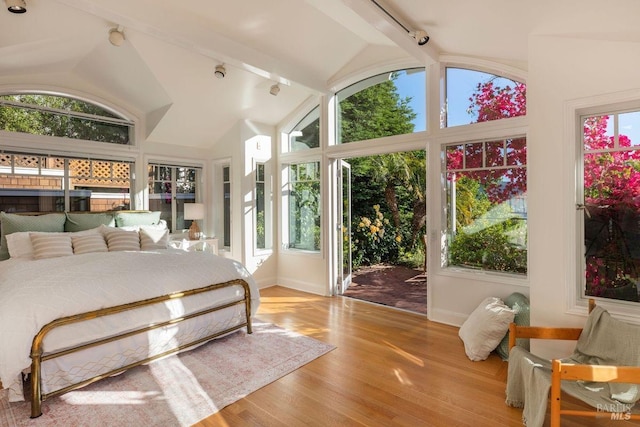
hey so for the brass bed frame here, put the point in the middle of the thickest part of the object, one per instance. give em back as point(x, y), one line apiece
point(38, 355)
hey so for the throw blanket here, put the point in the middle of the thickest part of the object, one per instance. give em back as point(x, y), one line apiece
point(604, 341)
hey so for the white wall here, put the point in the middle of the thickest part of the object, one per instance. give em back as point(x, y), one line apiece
point(563, 71)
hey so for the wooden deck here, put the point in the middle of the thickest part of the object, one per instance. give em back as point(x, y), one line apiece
point(390, 368)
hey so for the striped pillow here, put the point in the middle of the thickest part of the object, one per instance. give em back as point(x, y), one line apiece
point(153, 239)
point(88, 243)
point(119, 240)
point(50, 245)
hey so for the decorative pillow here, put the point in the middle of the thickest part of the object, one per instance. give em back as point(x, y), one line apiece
point(19, 244)
point(86, 221)
point(87, 243)
point(125, 219)
point(485, 327)
point(161, 225)
point(51, 245)
point(13, 223)
point(151, 239)
point(120, 240)
point(520, 305)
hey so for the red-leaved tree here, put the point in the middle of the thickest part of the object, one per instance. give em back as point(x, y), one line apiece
point(507, 178)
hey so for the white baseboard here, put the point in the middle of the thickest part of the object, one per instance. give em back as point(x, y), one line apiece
point(447, 317)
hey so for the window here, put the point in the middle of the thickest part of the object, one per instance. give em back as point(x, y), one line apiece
point(306, 134)
point(170, 187)
point(226, 206)
point(473, 96)
point(260, 207)
point(304, 206)
point(611, 184)
point(41, 183)
point(486, 207)
point(65, 117)
point(384, 105)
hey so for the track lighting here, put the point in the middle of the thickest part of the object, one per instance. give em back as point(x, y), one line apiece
point(220, 71)
point(116, 36)
point(421, 37)
point(16, 6)
point(275, 89)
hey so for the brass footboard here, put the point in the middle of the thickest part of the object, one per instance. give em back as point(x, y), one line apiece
point(38, 356)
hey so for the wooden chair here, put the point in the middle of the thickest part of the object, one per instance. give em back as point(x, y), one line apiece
point(571, 372)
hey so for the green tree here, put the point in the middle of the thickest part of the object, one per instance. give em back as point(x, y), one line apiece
point(374, 112)
point(41, 114)
point(396, 180)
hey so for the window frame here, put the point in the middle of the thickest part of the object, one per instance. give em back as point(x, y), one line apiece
point(446, 209)
point(366, 82)
point(66, 176)
point(613, 110)
point(198, 182)
point(286, 211)
point(121, 119)
point(573, 214)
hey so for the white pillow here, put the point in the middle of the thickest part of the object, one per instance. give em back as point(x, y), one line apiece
point(485, 327)
point(19, 245)
point(120, 240)
point(88, 243)
point(151, 239)
point(160, 226)
point(51, 245)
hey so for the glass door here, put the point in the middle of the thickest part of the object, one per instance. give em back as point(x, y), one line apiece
point(343, 243)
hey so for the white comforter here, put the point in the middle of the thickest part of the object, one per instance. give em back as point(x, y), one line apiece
point(36, 292)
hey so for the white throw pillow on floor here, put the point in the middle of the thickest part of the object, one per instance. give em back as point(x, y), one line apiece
point(485, 327)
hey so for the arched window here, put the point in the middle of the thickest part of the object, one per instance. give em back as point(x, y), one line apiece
point(63, 117)
point(306, 134)
point(485, 179)
point(387, 104)
point(474, 96)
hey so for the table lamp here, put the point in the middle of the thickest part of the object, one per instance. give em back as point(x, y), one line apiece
point(194, 212)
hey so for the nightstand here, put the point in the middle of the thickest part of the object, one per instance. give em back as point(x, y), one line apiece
point(209, 245)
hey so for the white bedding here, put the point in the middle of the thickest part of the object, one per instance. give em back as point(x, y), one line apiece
point(36, 292)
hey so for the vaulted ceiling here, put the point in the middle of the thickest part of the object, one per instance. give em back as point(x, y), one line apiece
point(164, 71)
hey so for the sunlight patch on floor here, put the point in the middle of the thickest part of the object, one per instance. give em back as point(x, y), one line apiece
point(81, 397)
point(402, 378)
point(411, 358)
point(180, 387)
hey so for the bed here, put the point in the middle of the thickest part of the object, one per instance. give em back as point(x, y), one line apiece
point(67, 321)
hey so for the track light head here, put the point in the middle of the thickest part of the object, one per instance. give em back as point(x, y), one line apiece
point(421, 37)
point(16, 6)
point(275, 89)
point(116, 36)
point(220, 71)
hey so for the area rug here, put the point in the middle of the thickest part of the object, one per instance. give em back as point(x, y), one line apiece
point(178, 390)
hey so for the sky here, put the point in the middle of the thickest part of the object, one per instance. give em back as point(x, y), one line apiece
point(461, 84)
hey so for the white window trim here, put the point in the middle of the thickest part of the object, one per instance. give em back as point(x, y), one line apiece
point(573, 110)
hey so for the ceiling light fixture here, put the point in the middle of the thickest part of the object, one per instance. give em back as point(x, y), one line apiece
point(116, 36)
point(420, 36)
point(275, 89)
point(16, 6)
point(220, 71)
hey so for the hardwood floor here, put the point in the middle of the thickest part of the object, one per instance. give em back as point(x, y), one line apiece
point(390, 368)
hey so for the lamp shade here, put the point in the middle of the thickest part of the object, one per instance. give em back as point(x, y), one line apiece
point(193, 211)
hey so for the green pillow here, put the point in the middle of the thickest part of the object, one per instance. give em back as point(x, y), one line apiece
point(520, 304)
point(13, 223)
point(87, 221)
point(128, 219)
